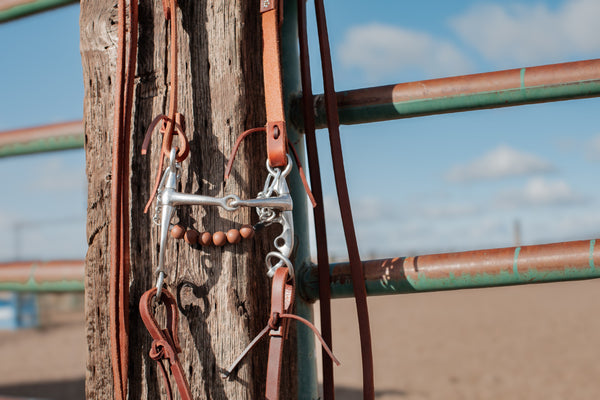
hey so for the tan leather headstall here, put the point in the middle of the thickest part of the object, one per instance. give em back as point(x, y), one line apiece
point(272, 14)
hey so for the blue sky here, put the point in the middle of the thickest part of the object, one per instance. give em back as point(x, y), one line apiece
point(447, 182)
point(42, 214)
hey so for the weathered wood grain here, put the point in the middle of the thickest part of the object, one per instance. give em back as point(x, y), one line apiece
point(223, 292)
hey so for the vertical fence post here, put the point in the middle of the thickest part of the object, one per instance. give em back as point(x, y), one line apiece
point(307, 374)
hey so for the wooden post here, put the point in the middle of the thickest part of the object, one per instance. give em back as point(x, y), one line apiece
point(223, 292)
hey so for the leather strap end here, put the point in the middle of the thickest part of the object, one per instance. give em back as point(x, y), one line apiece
point(311, 197)
point(277, 144)
point(236, 147)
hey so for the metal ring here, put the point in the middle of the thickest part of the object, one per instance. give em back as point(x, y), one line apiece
point(230, 202)
point(287, 169)
point(283, 260)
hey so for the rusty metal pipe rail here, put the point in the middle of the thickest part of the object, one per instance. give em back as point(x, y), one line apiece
point(572, 80)
point(42, 276)
point(471, 269)
point(52, 137)
point(15, 9)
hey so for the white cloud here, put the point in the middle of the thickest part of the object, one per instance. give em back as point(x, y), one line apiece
point(369, 214)
point(442, 225)
point(388, 227)
point(504, 161)
point(384, 50)
point(576, 224)
point(540, 192)
point(531, 33)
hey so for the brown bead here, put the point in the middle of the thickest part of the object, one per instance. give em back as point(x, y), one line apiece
point(206, 239)
point(219, 238)
point(247, 231)
point(191, 236)
point(233, 236)
point(177, 231)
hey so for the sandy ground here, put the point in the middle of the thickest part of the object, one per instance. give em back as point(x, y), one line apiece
point(45, 363)
point(528, 342)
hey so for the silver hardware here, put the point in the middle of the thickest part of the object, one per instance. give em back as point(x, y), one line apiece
point(284, 243)
point(273, 205)
point(160, 282)
point(282, 203)
point(282, 261)
point(168, 181)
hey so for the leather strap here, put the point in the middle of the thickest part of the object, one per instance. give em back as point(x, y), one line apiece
point(170, 10)
point(282, 298)
point(119, 224)
point(360, 293)
point(318, 210)
point(272, 13)
point(174, 123)
point(165, 344)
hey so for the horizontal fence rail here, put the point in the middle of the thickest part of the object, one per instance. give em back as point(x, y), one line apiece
point(61, 136)
point(42, 276)
point(513, 87)
point(555, 82)
point(15, 9)
point(471, 269)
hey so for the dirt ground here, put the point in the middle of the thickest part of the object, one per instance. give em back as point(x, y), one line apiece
point(527, 342)
point(45, 363)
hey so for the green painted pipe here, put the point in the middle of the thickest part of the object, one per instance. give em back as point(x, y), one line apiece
point(51, 137)
point(464, 270)
point(26, 8)
point(38, 287)
point(467, 102)
point(514, 87)
point(471, 92)
point(42, 145)
point(42, 276)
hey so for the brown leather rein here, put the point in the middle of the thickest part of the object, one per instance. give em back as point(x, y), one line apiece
point(360, 294)
point(119, 224)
